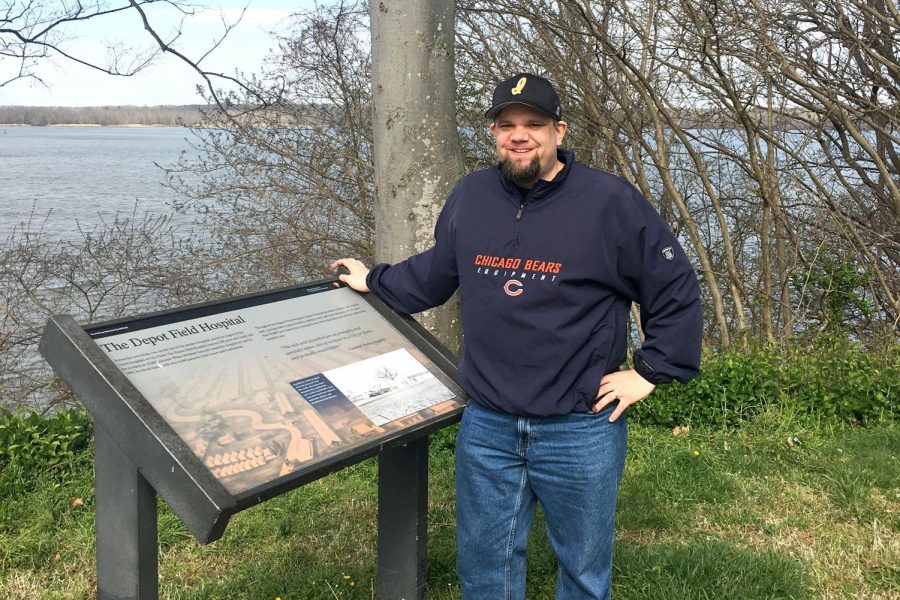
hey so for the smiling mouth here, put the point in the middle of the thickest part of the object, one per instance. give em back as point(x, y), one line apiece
point(521, 150)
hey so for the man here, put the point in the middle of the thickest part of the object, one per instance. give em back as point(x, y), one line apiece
point(548, 256)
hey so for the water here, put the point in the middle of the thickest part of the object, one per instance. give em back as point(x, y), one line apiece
point(85, 175)
point(70, 177)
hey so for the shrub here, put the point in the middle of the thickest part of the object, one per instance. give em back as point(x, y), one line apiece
point(731, 387)
point(843, 379)
point(833, 378)
point(34, 442)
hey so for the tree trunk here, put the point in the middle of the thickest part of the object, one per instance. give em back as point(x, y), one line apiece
point(417, 155)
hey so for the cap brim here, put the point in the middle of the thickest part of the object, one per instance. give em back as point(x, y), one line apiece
point(492, 112)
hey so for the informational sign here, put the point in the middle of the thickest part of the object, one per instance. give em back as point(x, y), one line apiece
point(269, 386)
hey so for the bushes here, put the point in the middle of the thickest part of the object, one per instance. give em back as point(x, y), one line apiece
point(731, 388)
point(834, 378)
point(843, 379)
point(32, 441)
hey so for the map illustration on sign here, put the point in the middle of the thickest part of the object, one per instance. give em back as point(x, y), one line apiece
point(271, 387)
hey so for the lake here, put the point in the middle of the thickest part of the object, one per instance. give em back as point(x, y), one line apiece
point(85, 175)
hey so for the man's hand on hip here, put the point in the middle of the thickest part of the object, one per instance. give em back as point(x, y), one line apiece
point(628, 387)
point(356, 275)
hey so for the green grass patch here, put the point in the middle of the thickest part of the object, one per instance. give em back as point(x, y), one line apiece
point(666, 478)
point(706, 570)
point(783, 507)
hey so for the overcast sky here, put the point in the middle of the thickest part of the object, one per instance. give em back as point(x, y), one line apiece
point(168, 80)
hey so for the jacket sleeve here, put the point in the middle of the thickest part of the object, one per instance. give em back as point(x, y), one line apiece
point(424, 280)
point(669, 296)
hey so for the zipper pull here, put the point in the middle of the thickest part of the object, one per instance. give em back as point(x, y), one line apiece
point(519, 214)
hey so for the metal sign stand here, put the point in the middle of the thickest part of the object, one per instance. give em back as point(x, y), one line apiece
point(402, 521)
point(138, 455)
point(127, 564)
point(127, 543)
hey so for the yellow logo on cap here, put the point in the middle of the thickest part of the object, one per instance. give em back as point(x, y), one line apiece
point(519, 86)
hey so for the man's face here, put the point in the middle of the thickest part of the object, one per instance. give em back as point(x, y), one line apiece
point(526, 143)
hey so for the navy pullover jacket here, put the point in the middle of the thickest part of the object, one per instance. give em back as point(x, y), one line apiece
point(546, 284)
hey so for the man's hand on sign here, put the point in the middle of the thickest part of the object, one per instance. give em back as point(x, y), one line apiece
point(356, 273)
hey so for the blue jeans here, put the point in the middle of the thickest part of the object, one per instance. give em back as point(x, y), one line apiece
point(505, 464)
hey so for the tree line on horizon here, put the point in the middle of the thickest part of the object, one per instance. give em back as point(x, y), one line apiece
point(169, 115)
point(173, 115)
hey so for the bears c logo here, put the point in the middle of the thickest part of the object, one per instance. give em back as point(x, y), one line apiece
point(513, 287)
point(520, 85)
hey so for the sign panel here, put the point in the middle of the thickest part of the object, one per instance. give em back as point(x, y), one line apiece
point(268, 387)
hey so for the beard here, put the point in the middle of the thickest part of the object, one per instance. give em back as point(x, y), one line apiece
point(522, 176)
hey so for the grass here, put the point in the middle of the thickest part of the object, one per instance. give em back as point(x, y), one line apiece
point(777, 509)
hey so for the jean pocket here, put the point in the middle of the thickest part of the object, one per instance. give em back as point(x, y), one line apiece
point(607, 410)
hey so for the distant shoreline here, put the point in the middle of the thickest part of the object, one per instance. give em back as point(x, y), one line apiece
point(95, 125)
point(100, 116)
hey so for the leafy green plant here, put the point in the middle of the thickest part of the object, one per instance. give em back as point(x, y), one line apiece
point(731, 388)
point(833, 377)
point(841, 378)
point(836, 294)
point(35, 442)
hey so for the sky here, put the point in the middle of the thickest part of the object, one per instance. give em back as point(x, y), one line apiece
point(167, 80)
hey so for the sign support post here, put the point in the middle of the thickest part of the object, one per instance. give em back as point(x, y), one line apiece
point(127, 560)
point(402, 521)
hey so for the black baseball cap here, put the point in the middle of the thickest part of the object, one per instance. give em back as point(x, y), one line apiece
point(530, 90)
